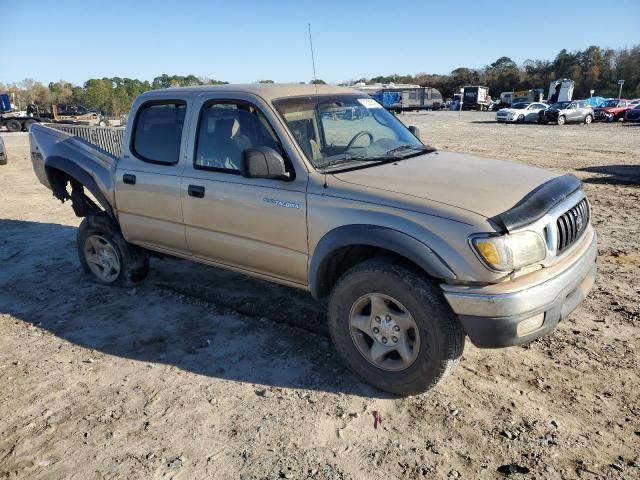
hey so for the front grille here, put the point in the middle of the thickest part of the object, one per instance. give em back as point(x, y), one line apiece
point(572, 224)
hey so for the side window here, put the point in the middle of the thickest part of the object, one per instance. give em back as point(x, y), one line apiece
point(158, 131)
point(226, 130)
point(572, 105)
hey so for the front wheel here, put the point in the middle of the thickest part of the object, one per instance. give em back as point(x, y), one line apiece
point(521, 119)
point(14, 125)
point(392, 327)
point(561, 120)
point(588, 119)
point(106, 255)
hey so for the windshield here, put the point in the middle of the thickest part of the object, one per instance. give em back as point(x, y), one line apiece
point(519, 106)
point(560, 105)
point(343, 131)
point(610, 103)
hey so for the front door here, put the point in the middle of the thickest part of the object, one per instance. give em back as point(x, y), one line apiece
point(148, 177)
point(257, 225)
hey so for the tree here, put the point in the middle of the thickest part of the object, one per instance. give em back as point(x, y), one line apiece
point(317, 81)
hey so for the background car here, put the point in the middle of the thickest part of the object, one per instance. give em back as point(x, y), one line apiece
point(566, 112)
point(3, 153)
point(521, 112)
point(612, 110)
point(633, 114)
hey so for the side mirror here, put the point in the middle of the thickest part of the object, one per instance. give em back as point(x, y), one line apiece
point(263, 162)
point(415, 131)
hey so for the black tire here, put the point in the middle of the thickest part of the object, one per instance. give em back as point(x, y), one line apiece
point(562, 120)
point(134, 261)
point(14, 125)
point(441, 334)
point(27, 124)
point(521, 119)
point(588, 119)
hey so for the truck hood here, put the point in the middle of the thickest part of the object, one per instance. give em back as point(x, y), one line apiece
point(480, 185)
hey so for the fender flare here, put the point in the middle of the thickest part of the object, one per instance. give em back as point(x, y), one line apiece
point(78, 174)
point(372, 236)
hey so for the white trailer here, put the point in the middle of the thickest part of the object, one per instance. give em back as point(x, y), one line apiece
point(561, 90)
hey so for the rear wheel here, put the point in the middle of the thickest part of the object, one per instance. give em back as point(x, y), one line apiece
point(392, 327)
point(588, 119)
point(14, 125)
point(106, 255)
point(561, 120)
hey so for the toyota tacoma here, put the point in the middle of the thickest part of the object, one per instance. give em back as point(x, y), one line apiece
point(322, 189)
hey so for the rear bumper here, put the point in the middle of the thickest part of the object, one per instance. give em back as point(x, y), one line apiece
point(494, 320)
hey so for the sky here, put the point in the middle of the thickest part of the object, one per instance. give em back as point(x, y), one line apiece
point(245, 41)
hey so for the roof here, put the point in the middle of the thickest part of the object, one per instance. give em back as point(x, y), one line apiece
point(268, 91)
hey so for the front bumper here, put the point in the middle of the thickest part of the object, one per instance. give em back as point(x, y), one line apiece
point(494, 319)
point(603, 115)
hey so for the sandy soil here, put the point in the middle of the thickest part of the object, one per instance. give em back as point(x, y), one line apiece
point(201, 373)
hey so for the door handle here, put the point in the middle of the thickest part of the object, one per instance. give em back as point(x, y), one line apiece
point(196, 191)
point(129, 179)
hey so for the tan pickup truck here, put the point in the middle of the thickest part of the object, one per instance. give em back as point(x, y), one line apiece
point(324, 190)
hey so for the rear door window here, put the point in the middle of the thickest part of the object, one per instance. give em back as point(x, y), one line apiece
point(158, 131)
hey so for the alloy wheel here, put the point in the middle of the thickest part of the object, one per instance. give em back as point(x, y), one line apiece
point(102, 258)
point(384, 332)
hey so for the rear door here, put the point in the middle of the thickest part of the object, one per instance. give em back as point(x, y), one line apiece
point(148, 176)
point(255, 225)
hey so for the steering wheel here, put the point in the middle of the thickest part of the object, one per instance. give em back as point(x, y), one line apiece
point(357, 136)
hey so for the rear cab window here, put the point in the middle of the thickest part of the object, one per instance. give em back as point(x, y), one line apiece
point(157, 131)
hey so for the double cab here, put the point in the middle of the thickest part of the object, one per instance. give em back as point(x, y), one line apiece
point(321, 189)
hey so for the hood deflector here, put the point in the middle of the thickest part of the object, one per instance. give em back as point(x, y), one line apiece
point(536, 203)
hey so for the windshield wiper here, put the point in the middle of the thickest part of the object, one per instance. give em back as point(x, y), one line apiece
point(393, 154)
point(345, 159)
point(402, 148)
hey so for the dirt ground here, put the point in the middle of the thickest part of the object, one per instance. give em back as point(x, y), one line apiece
point(201, 373)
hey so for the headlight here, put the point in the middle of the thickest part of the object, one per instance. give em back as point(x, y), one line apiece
point(506, 253)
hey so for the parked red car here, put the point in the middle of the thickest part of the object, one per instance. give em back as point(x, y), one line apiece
point(612, 110)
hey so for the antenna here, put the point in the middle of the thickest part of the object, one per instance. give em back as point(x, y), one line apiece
point(315, 77)
point(313, 60)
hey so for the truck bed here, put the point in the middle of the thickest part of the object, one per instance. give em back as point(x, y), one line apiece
point(86, 154)
point(108, 139)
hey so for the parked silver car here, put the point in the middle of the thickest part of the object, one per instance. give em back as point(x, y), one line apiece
point(521, 112)
point(565, 112)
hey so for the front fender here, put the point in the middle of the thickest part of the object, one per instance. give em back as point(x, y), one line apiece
point(372, 236)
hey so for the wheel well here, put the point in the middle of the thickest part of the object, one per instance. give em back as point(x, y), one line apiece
point(82, 204)
point(344, 258)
